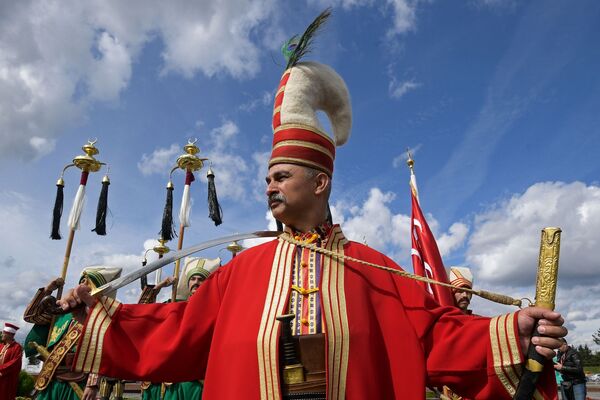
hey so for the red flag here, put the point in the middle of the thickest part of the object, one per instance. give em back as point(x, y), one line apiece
point(426, 256)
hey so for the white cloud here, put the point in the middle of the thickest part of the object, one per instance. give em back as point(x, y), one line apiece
point(398, 89)
point(231, 171)
point(505, 243)
point(160, 161)
point(111, 72)
point(59, 57)
point(375, 223)
point(264, 100)
point(405, 16)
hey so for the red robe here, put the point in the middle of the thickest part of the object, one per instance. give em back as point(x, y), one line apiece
point(386, 338)
point(10, 366)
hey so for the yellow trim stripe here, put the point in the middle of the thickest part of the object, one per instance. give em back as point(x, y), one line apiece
point(305, 127)
point(87, 334)
point(276, 110)
point(302, 143)
point(507, 362)
point(299, 161)
point(281, 90)
point(263, 325)
point(90, 353)
point(334, 305)
point(275, 304)
point(496, 352)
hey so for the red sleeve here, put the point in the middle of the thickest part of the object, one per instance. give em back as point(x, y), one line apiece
point(155, 342)
point(477, 357)
point(12, 360)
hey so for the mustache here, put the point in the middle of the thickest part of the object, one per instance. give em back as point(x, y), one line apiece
point(276, 197)
point(195, 286)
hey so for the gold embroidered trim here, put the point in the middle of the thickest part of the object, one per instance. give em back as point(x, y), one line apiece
point(334, 309)
point(280, 90)
point(275, 304)
point(90, 353)
point(302, 143)
point(56, 356)
point(304, 292)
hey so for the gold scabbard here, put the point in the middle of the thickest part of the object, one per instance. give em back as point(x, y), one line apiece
point(547, 275)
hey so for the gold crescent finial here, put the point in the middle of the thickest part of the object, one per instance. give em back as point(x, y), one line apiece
point(409, 160)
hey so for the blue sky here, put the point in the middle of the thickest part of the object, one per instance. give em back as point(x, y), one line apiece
point(498, 99)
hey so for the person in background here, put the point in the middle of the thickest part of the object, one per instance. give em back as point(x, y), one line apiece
point(10, 362)
point(462, 277)
point(569, 365)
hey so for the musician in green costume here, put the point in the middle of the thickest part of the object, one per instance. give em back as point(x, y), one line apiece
point(56, 381)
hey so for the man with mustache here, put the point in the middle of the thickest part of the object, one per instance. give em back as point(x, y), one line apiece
point(462, 277)
point(380, 335)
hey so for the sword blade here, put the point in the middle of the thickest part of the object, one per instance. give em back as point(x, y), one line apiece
point(175, 255)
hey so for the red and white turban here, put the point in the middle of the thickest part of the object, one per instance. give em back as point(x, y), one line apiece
point(461, 277)
point(10, 328)
point(299, 138)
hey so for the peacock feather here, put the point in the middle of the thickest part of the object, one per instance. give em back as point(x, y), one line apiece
point(295, 48)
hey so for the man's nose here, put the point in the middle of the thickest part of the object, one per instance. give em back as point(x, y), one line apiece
point(271, 188)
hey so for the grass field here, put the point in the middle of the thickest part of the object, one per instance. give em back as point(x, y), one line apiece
point(592, 370)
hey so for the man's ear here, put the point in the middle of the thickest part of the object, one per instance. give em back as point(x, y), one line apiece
point(322, 182)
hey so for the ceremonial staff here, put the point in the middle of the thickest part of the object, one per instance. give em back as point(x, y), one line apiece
point(189, 162)
point(160, 249)
point(545, 294)
point(86, 163)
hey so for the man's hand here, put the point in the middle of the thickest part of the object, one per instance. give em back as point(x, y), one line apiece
point(558, 366)
point(550, 325)
point(90, 393)
point(74, 299)
point(165, 283)
point(55, 284)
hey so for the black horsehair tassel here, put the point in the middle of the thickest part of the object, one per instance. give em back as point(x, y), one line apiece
point(214, 209)
point(102, 209)
point(58, 209)
point(167, 231)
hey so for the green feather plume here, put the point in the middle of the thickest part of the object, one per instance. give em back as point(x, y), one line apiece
point(294, 49)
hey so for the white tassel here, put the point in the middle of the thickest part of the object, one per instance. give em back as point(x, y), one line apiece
point(77, 208)
point(186, 207)
point(158, 276)
point(413, 185)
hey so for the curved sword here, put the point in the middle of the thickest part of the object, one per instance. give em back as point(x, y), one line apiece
point(175, 255)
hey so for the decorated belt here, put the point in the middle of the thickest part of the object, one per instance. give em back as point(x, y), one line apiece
point(56, 356)
point(311, 354)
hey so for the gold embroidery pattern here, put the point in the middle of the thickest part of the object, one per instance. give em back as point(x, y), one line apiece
point(89, 356)
point(336, 320)
point(275, 304)
point(56, 356)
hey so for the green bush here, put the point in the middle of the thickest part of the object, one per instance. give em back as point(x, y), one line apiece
point(25, 384)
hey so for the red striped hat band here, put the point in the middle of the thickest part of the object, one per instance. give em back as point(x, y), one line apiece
point(302, 145)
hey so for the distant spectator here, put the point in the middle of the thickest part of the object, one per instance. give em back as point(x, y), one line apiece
point(570, 367)
point(10, 362)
